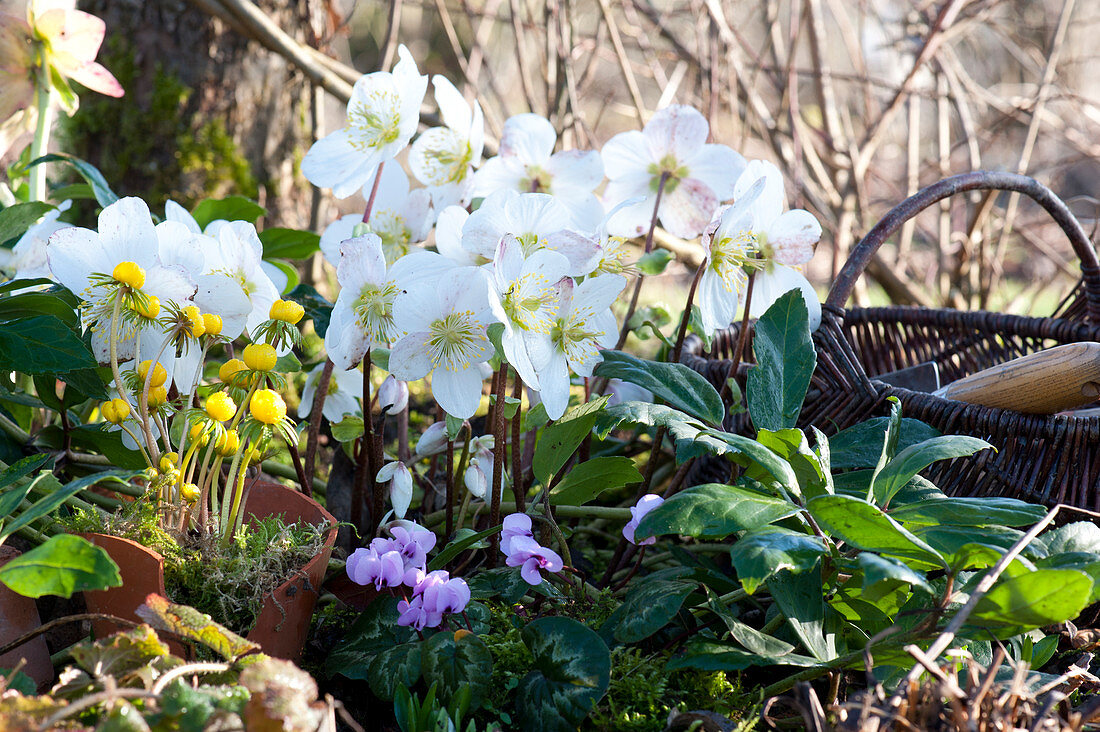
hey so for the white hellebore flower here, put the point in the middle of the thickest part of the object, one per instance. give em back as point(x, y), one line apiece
point(537, 220)
point(345, 392)
point(363, 314)
point(28, 256)
point(783, 240)
point(443, 157)
point(674, 146)
point(448, 235)
point(445, 321)
point(523, 295)
point(383, 113)
point(95, 265)
point(526, 162)
point(399, 217)
point(728, 246)
point(583, 325)
point(479, 473)
point(393, 396)
point(433, 441)
point(401, 486)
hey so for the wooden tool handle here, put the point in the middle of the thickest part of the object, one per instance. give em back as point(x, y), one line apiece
point(1046, 382)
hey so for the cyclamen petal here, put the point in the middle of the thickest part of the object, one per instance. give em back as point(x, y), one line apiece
point(638, 511)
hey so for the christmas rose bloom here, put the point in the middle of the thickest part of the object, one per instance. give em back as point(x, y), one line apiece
point(444, 157)
point(401, 485)
point(345, 394)
point(698, 176)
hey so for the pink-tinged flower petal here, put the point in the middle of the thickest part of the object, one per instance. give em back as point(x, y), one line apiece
point(687, 209)
point(792, 237)
point(645, 504)
point(677, 130)
point(98, 79)
point(632, 219)
point(528, 137)
point(72, 33)
point(719, 167)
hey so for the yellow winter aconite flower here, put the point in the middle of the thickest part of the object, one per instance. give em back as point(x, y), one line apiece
point(115, 411)
point(230, 368)
point(267, 406)
point(260, 356)
point(189, 492)
point(148, 307)
point(129, 273)
point(159, 374)
point(168, 461)
point(220, 406)
point(158, 396)
point(212, 323)
point(194, 317)
point(228, 443)
point(286, 310)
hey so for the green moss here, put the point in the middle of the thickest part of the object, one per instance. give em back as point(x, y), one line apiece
point(212, 156)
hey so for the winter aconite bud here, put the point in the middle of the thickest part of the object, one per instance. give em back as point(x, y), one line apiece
point(168, 461)
point(220, 406)
point(129, 273)
point(189, 492)
point(148, 307)
point(115, 411)
point(228, 443)
point(195, 325)
point(159, 374)
point(212, 323)
point(286, 310)
point(229, 368)
point(158, 395)
point(267, 406)
point(260, 356)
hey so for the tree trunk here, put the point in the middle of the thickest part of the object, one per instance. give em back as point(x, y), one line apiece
point(207, 113)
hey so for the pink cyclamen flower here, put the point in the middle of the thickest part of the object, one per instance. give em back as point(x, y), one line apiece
point(383, 569)
point(531, 557)
point(637, 512)
point(413, 542)
point(515, 525)
point(435, 595)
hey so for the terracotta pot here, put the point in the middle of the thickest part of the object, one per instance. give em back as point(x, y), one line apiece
point(281, 627)
point(18, 616)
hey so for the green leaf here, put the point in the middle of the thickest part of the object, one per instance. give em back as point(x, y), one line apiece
point(711, 656)
point(714, 511)
point(503, 582)
point(678, 385)
point(792, 446)
point(374, 631)
point(860, 445)
point(889, 448)
point(766, 458)
point(651, 603)
point(104, 196)
point(985, 511)
point(1086, 562)
point(916, 458)
point(748, 637)
point(866, 527)
point(56, 494)
point(63, 565)
point(655, 262)
point(13, 285)
point(317, 308)
point(291, 273)
point(85, 381)
point(948, 540)
point(800, 599)
point(1081, 536)
point(455, 664)
point(11, 498)
point(30, 304)
point(42, 345)
point(785, 361)
point(17, 218)
point(591, 478)
point(686, 432)
point(1033, 600)
point(454, 426)
point(458, 546)
point(287, 363)
point(292, 244)
point(878, 569)
point(762, 552)
point(560, 439)
point(572, 670)
point(232, 208)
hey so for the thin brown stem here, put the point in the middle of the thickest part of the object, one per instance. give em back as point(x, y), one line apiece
point(498, 463)
point(648, 248)
point(517, 445)
point(686, 317)
point(315, 414)
point(742, 340)
point(306, 483)
point(373, 194)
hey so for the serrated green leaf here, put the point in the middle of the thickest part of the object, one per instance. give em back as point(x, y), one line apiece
point(714, 511)
point(785, 361)
point(678, 385)
point(348, 429)
point(655, 262)
point(31, 304)
point(591, 478)
point(17, 218)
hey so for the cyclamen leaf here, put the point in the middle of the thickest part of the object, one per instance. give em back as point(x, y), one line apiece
point(453, 664)
point(572, 670)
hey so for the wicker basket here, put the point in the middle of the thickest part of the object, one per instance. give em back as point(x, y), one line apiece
point(1045, 459)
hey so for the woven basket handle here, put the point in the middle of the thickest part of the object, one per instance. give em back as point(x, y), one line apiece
point(978, 180)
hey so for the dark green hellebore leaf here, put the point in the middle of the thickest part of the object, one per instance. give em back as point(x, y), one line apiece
point(231, 208)
point(866, 527)
point(591, 478)
point(317, 308)
point(1033, 600)
point(985, 511)
point(785, 361)
point(860, 446)
point(280, 243)
point(43, 344)
point(762, 552)
point(678, 385)
point(572, 672)
point(561, 439)
point(63, 565)
point(17, 218)
point(878, 569)
point(802, 603)
point(713, 511)
point(916, 458)
point(104, 196)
